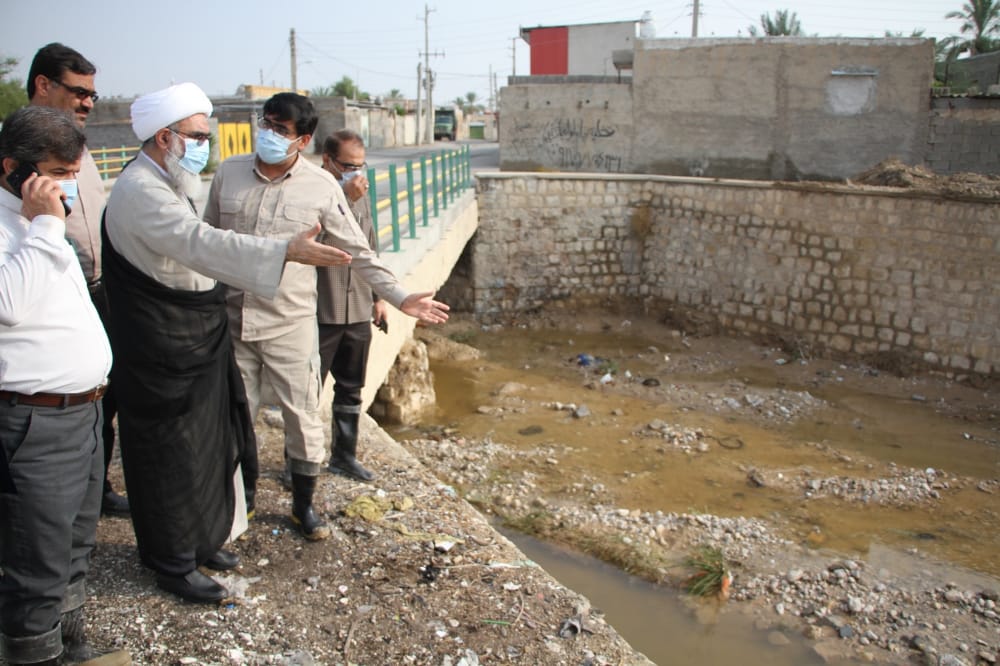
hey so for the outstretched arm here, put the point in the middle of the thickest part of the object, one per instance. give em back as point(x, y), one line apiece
point(304, 249)
point(425, 308)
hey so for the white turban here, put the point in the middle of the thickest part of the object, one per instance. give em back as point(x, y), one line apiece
point(153, 112)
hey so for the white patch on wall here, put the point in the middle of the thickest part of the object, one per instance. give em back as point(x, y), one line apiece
point(851, 91)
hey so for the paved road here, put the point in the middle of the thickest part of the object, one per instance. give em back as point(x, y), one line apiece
point(485, 154)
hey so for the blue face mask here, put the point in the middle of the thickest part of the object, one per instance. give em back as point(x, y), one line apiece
point(271, 148)
point(195, 156)
point(348, 176)
point(70, 189)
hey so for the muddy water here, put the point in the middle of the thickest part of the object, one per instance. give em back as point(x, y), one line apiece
point(658, 624)
point(861, 425)
point(855, 425)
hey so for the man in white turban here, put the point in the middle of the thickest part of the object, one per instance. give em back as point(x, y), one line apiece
point(183, 420)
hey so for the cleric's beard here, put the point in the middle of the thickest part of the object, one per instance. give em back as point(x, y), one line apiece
point(188, 183)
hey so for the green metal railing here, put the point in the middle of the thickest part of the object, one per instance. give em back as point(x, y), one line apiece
point(111, 160)
point(432, 183)
point(450, 173)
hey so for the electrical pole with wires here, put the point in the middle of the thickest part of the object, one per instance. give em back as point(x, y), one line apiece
point(694, 19)
point(429, 74)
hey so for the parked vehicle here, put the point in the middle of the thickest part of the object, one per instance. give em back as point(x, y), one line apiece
point(447, 120)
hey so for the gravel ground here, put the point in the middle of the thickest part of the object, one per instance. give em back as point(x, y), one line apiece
point(412, 575)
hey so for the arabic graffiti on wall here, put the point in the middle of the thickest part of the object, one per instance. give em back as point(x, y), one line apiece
point(569, 143)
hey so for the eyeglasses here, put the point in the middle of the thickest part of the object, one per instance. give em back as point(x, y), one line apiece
point(200, 137)
point(347, 166)
point(80, 93)
point(278, 129)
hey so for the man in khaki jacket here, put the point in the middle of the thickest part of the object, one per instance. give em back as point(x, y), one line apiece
point(276, 193)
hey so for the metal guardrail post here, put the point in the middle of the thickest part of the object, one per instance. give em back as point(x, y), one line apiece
point(423, 189)
point(434, 184)
point(373, 200)
point(393, 192)
point(444, 179)
point(409, 198)
point(453, 176)
point(468, 166)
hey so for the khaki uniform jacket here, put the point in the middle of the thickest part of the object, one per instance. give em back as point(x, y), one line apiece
point(243, 200)
point(83, 224)
point(342, 297)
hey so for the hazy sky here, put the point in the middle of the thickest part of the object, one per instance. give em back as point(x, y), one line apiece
point(139, 46)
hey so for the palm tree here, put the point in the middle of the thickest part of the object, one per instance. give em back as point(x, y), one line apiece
point(784, 23)
point(981, 19)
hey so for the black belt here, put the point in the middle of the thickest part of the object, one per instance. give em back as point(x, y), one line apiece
point(53, 399)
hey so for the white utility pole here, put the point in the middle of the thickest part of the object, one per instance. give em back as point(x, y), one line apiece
point(429, 74)
point(420, 84)
point(694, 19)
point(295, 74)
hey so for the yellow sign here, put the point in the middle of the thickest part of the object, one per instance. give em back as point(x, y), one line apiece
point(234, 139)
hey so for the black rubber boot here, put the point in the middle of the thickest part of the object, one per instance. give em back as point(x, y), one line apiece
point(250, 495)
point(345, 447)
point(76, 649)
point(312, 526)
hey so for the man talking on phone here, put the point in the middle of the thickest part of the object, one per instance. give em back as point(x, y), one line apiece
point(54, 364)
point(61, 78)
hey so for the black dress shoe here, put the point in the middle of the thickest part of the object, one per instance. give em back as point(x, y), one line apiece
point(223, 560)
point(114, 504)
point(194, 586)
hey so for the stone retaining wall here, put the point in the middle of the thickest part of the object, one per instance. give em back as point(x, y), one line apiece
point(842, 270)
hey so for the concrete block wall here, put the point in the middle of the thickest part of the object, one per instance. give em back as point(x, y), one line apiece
point(779, 108)
point(964, 135)
point(574, 127)
point(845, 271)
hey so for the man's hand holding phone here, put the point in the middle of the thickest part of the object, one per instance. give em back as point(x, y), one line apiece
point(42, 195)
point(36, 192)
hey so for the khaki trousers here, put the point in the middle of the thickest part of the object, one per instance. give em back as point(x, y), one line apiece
point(289, 364)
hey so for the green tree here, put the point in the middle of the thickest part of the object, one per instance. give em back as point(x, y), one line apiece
point(981, 23)
point(784, 23)
point(916, 34)
point(12, 93)
point(345, 87)
point(393, 94)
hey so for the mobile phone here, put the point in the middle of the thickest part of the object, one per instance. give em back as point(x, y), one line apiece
point(17, 177)
point(383, 326)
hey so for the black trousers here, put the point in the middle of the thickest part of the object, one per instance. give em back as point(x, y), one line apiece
point(343, 352)
point(51, 473)
point(109, 401)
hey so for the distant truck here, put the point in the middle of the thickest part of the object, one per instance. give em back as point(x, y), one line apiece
point(447, 121)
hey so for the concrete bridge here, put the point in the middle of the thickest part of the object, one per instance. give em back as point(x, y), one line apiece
point(423, 264)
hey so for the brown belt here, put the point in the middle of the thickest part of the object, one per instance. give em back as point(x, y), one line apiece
point(53, 399)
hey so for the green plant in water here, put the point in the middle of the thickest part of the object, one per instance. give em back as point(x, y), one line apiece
point(709, 573)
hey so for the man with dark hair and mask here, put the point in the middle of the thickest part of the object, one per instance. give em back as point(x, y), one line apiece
point(183, 420)
point(277, 193)
point(346, 309)
point(54, 363)
point(61, 78)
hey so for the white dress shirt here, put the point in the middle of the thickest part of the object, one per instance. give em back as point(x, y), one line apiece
point(51, 338)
